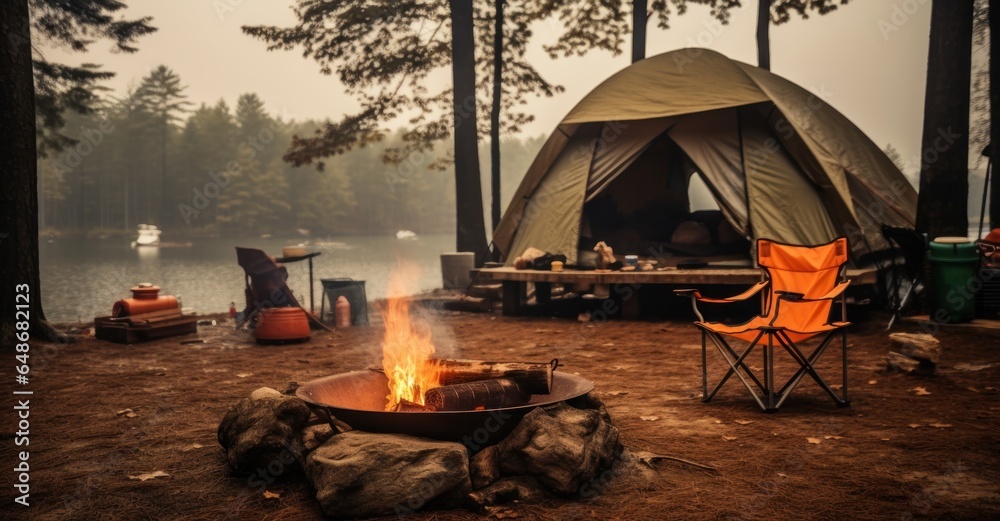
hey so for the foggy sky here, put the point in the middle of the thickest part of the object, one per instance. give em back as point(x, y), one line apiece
point(867, 59)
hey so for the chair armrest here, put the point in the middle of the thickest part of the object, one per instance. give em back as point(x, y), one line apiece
point(755, 289)
point(799, 297)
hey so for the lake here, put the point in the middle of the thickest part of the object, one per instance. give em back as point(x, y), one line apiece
point(82, 278)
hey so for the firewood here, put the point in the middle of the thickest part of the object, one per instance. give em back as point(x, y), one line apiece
point(408, 406)
point(485, 394)
point(533, 378)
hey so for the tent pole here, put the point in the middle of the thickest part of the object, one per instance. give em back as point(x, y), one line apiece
point(746, 180)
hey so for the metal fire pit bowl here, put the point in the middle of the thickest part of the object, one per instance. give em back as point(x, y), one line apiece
point(358, 399)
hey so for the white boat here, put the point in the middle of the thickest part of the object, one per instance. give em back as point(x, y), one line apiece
point(406, 235)
point(149, 235)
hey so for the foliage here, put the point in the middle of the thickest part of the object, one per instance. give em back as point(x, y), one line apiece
point(74, 25)
point(403, 44)
point(227, 177)
point(606, 24)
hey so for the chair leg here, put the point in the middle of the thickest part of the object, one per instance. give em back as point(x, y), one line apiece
point(806, 367)
point(769, 373)
point(845, 401)
point(704, 368)
point(734, 365)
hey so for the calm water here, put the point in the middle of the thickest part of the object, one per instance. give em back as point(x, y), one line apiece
point(82, 278)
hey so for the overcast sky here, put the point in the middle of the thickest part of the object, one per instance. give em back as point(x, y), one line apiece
point(868, 59)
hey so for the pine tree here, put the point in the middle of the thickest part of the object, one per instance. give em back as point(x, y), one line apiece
point(74, 25)
point(162, 95)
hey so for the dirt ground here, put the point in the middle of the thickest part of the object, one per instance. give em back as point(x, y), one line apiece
point(909, 448)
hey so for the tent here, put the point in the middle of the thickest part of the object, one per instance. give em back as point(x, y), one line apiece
point(779, 163)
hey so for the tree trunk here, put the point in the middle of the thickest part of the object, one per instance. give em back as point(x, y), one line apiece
point(470, 225)
point(942, 204)
point(994, 112)
point(18, 164)
point(639, 21)
point(495, 114)
point(764, 34)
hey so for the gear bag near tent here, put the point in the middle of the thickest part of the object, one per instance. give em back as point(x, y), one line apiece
point(778, 162)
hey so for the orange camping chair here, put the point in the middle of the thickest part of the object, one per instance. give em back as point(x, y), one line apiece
point(801, 284)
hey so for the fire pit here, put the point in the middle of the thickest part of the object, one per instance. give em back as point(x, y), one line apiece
point(358, 399)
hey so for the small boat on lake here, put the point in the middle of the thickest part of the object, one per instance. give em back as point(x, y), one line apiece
point(149, 235)
point(406, 235)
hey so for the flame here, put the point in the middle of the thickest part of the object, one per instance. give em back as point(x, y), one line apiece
point(406, 350)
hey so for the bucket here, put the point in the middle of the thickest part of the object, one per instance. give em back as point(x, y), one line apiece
point(953, 279)
point(282, 325)
point(456, 268)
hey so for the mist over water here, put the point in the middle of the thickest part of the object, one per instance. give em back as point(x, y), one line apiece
point(82, 278)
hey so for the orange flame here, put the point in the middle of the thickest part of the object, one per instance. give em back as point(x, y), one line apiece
point(406, 350)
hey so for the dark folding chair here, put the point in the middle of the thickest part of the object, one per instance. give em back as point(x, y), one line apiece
point(906, 279)
point(801, 284)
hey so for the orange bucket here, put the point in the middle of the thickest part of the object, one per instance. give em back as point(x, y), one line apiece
point(277, 325)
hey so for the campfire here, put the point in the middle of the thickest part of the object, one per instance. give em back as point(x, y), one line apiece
point(419, 382)
point(424, 431)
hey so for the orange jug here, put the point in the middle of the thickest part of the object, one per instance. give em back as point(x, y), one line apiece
point(145, 299)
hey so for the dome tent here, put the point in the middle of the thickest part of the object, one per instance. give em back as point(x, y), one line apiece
point(779, 162)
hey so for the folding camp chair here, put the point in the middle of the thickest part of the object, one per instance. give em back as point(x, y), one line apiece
point(801, 283)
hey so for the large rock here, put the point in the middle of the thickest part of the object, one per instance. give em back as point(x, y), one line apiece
point(261, 433)
point(561, 446)
point(361, 474)
point(917, 346)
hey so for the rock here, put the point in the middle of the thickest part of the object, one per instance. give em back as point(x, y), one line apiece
point(901, 363)
point(561, 446)
point(918, 346)
point(484, 467)
point(521, 488)
point(314, 436)
point(361, 474)
point(263, 429)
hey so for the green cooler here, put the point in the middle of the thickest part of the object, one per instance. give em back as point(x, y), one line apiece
point(953, 263)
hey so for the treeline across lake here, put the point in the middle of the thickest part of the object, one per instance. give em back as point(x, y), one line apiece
point(218, 170)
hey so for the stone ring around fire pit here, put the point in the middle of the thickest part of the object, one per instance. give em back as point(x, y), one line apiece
point(358, 399)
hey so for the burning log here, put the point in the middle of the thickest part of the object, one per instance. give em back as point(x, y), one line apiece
point(484, 394)
point(408, 406)
point(533, 378)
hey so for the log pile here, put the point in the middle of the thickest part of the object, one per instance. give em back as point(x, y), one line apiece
point(468, 385)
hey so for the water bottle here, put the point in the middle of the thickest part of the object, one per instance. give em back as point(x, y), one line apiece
point(342, 312)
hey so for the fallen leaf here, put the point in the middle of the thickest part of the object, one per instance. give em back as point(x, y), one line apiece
point(729, 438)
point(780, 475)
point(872, 382)
point(649, 418)
point(814, 441)
point(941, 425)
point(915, 426)
point(921, 391)
point(617, 393)
point(243, 375)
point(609, 344)
point(271, 495)
point(990, 389)
point(150, 475)
point(832, 437)
point(743, 422)
point(884, 439)
point(123, 411)
point(973, 389)
point(718, 421)
point(131, 415)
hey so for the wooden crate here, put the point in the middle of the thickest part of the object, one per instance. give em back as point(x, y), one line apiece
point(144, 327)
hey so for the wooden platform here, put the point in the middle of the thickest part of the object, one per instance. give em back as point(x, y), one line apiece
point(514, 281)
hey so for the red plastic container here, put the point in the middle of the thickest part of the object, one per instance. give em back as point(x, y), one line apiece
point(145, 299)
point(282, 325)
